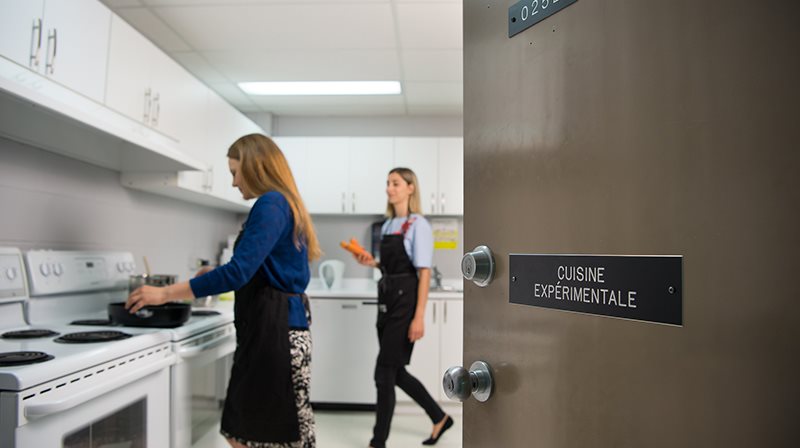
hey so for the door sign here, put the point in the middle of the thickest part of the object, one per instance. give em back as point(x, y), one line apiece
point(523, 15)
point(645, 288)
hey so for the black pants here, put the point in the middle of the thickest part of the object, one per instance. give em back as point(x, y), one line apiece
point(386, 377)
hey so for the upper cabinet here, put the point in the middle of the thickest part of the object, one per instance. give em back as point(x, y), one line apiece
point(439, 166)
point(66, 41)
point(340, 175)
point(347, 175)
point(147, 86)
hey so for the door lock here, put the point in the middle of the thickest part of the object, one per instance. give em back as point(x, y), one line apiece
point(478, 266)
point(459, 383)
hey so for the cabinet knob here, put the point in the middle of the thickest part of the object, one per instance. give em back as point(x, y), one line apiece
point(459, 383)
point(478, 266)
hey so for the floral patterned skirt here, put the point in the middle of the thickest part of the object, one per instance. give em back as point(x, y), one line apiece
point(300, 350)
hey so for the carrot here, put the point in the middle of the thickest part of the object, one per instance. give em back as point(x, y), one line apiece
point(353, 247)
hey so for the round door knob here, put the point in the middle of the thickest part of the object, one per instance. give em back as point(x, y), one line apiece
point(11, 273)
point(478, 266)
point(459, 383)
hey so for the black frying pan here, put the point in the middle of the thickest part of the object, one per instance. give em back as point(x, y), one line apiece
point(169, 315)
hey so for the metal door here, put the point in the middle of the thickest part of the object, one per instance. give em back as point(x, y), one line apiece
point(637, 127)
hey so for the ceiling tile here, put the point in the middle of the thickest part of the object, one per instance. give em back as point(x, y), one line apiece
point(429, 109)
point(152, 27)
point(341, 110)
point(282, 26)
point(434, 92)
point(429, 25)
point(433, 65)
point(307, 65)
point(199, 67)
point(121, 3)
point(249, 2)
point(233, 95)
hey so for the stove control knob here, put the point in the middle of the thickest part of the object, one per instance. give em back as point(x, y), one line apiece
point(58, 269)
point(11, 273)
point(120, 267)
point(44, 269)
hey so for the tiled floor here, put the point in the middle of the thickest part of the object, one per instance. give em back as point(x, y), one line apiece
point(353, 430)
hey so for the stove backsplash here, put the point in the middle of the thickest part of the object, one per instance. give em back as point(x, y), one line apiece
point(52, 202)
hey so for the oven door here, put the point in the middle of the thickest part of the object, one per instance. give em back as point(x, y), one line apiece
point(199, 382)
point(122, 403)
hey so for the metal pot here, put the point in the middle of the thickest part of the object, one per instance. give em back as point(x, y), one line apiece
point(135, 281)
point(169, 315)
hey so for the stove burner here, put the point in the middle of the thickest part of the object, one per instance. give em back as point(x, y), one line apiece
point(92, 336)
point(98, 322)
point(205, 313)
point(22, 358)
point(28, 334)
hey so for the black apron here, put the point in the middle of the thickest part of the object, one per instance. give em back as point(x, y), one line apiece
point(260, 403)
point(397, 301)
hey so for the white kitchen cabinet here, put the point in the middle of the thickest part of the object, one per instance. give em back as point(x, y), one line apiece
point(148, 86)
point(421, 156)
point(67, 41)
point(370, 160)
point(327, 174)
point(21, 35)
point(344, 351)
point(451, 176)
point(224, 125)
point(340, 175)
point(451, 340)
point(439, 166)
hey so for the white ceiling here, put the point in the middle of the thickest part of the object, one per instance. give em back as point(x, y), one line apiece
point(222, 42)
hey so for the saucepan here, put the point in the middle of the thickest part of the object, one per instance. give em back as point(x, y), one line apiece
point(169, 315)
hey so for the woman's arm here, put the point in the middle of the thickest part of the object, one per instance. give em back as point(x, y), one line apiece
point(417, 328)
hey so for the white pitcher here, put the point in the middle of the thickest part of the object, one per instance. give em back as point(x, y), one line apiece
point(331, 272)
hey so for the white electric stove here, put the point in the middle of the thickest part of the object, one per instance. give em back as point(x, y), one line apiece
point(57, 391)
point(202, 346)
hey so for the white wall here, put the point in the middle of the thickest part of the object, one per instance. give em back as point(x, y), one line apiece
point(52, 202)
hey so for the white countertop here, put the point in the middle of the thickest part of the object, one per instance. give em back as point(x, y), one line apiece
point(359, 288)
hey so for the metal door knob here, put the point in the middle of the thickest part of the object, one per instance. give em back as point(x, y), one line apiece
point(478, 266)
point(459, 383)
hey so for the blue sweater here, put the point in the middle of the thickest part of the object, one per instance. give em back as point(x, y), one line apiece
point(266, 248)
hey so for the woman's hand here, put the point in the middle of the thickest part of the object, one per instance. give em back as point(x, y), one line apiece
point(204, 270)
point(416, 330)
point(146, 295)
point(366, 259)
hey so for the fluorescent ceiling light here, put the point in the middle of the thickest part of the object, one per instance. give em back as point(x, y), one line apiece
point(322, 88)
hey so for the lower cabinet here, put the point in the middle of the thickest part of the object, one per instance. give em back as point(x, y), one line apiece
point(345, 348)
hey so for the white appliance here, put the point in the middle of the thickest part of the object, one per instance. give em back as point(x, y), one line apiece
point(110, 392)
point(202, 346)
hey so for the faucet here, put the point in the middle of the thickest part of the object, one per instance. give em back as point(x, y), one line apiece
point(437, 278)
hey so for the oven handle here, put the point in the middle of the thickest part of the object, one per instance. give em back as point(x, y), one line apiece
point(191, 352)
point(39, 410)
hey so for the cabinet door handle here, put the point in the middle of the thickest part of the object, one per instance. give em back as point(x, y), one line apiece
point(433, 203)
point(369, 302)
point(349, 306)
point(344, 207)
point(147, 104)
point(50, 66)
point(445, 312)
point(36, 43)
point(434, 313)
point(354, 203)
point(157, 113)
point(443, 203)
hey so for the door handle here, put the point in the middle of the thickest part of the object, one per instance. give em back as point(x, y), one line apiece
point(50, 65)
point(459, 383)
point(478, 266)
point(36, 43)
